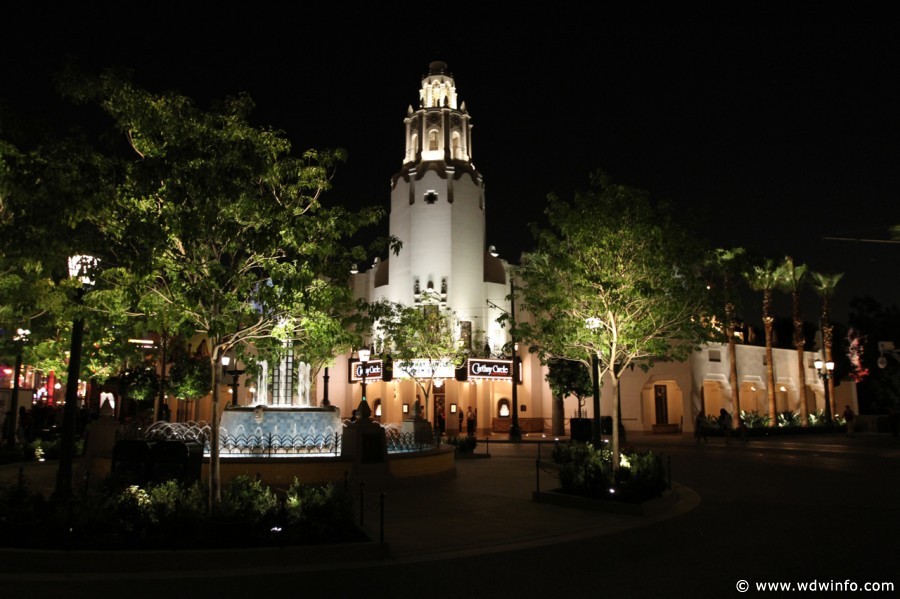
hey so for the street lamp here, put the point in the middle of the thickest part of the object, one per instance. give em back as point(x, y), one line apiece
point(515, 433)
point(596, 434)
point(79, 267)
point(234, 374)
point(363, 411)
point(19, 339)
point(824, 370)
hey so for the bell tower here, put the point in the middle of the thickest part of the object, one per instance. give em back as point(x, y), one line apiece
point(437, 205)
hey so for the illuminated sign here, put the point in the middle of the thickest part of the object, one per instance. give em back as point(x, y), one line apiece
point(490, 369)
point(424, 369)
point(374, 369)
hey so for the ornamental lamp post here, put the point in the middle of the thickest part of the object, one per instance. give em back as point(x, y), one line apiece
point(234, 374)
point(824, 370)
point(596, 434)
point(515, 433)
point(363, 411)
point(79, 267)
point(19, 339)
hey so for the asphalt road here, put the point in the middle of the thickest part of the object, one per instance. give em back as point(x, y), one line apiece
point(820, 509)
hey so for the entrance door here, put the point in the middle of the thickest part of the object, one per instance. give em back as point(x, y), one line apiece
point(662, 404)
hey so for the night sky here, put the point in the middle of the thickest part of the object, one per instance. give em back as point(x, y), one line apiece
point(776, 127)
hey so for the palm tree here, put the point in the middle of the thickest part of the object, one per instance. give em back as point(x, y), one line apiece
point(727, 263)
point(765, 278)
point(793, 277)
point(824, 285)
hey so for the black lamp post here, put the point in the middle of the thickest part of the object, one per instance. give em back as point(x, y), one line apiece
point(824, 370)
point(12, 422)
point(79, 266)
point(363, 411)
point(234, 374)
point(596, 433)
point(515, 433)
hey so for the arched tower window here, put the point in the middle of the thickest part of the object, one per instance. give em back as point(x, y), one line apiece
point(456, 145)
point(413, 146)
point(433, 139)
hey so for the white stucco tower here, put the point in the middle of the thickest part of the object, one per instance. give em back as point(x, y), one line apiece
point(438, 212)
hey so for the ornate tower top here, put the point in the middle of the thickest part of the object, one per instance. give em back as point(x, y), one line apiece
point(440, 130)
point(438, 89)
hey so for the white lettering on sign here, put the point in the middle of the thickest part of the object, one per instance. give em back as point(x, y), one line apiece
point(490, 368)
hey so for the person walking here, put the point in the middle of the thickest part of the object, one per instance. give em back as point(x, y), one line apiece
point(700, 427)
point(725, 424)
point(849, 416)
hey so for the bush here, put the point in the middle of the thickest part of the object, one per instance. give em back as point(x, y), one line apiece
point(171, 515)
point(584, 470)
point(465, 444)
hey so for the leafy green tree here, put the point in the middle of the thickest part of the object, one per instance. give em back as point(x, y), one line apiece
point(51, 192)
point(567, 377)
point(219, 222)
point(793, 278)
point(421, 340)
point(190, 377)
point(613, 276)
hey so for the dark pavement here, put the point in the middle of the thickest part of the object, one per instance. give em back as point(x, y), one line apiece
point(781, 509)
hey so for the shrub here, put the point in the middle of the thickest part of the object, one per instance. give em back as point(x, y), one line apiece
point(754, 419)
point(465, 444)
point(585, 470)
point(788, 418)
point(170, 515)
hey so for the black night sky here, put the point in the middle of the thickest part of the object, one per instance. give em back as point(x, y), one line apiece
point(775, 125)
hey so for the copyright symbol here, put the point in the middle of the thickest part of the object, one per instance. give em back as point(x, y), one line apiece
point(743, 586)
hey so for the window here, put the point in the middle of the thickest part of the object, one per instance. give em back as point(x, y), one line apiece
point(715, 355)
point(503, 410)
point(433, 139)
point(431, 196)
point(465, 334)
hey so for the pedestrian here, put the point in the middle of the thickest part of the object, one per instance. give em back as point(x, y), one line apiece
point(470, 421)
point(700, 427)
point(725, 425)
point(849, 416)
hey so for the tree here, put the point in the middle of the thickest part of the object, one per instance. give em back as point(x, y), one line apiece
point(765, 278)
point(728, 264)
point(421, 340)
point(824, 284)
point(613, 276)
point(567, 377)
point(793, 277)
point(190, 377)
point(219, 223)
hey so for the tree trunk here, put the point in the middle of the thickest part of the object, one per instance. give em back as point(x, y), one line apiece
point(215, 483)
point(732, 369)
point(804, 412)
point(615, 423)
point(770, 373)
point(558, 426)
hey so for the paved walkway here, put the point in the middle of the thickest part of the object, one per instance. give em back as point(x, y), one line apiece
point(486, 508)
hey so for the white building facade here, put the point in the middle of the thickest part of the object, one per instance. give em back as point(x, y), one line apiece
point(437, 210)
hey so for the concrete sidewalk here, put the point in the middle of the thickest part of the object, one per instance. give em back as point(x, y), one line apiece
point(486, 508)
